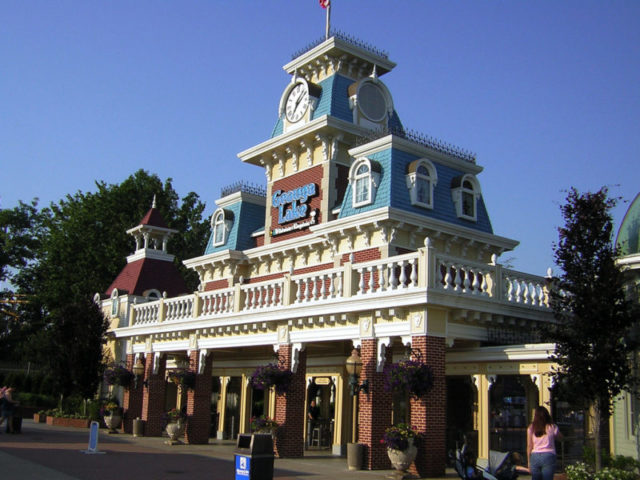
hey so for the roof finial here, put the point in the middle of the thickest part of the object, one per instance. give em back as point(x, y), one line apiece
point(374, 72)
point(153, 205)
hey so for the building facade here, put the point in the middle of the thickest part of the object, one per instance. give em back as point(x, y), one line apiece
point(625, 421)
point(366, 236)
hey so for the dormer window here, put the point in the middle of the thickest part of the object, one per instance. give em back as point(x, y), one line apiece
point(221, 222)
point(371, 102)
point(115, 303)
point(364, 182)
point(421, 180)
point(466, 191)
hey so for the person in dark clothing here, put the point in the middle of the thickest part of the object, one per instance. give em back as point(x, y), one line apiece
point(313, 415)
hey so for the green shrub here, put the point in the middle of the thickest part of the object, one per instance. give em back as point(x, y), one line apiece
point(581, 471)
point(35, 400)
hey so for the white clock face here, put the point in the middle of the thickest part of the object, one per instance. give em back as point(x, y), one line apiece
point(297, 102)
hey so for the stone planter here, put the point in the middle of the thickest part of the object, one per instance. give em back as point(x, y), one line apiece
point(113, 422)
point(175, 430)
point(401, 460)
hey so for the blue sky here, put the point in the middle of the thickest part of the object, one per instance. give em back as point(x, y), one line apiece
point(546, 93)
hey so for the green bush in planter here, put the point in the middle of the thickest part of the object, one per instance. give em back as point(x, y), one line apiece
point(580, 471)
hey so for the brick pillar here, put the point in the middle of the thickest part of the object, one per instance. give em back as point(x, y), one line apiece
point(290, 408)
point(132, 400)
point(428, 414)
point(374, 408)
point(153, 401)
point(199, 402)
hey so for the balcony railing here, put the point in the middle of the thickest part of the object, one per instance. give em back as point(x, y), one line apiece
point(423, 270)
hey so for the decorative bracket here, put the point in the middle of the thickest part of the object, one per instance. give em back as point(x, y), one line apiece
point(202, 359)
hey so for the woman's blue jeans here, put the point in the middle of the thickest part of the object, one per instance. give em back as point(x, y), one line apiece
point(542, 466)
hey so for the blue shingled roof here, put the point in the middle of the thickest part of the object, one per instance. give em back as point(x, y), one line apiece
point(247, 218)
point(393, 192)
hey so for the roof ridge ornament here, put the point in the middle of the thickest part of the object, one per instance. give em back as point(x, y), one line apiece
point(153, 204)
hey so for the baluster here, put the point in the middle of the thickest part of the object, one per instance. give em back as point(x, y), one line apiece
point(299, 291)
point(476, 284)
point(403, 274)
point(447, 276)
point(457, 281)
point(361, 282)
point(332, 284)
point(393, 279)
point(414, 272)
point(466, 283)
point(339, 279)
point(372, 280)
point(518, 293)
point(382, 282)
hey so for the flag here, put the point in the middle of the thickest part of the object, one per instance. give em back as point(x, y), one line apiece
point(324, 3)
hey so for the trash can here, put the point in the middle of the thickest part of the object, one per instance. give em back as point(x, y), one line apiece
point(138, 427)
point(254, 457)
point(355, 456)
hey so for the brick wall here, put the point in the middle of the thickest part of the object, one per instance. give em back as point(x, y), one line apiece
point(362, 256)
point(132, 400)
point(374, 408)
point(216, 285)
point(153, 397)
point(290, 408)
point(428, 414)
point(199, 402)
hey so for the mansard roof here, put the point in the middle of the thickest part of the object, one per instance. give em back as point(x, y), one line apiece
point(154, 218)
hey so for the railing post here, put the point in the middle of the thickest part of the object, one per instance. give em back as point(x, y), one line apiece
point(288, 292)
point(349, 279)
point(427, 265)
point(498, 290)
point(238, 299)
point(162, 311)
point(197, 305)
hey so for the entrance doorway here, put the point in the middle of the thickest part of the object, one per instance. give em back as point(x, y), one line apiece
point(508, 414)
point(321, 392)
point(232, 410)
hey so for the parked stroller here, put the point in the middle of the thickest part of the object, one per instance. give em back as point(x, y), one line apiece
point(500, 466)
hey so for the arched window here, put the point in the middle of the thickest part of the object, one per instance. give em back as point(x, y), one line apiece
point(421, 180)
point(466, 191)
point(115, 303)
point(221, 223)
point(364, 182)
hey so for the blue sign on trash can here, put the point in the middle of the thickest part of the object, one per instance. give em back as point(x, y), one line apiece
point(243, 466)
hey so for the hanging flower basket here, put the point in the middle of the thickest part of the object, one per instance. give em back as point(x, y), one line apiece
point(263, 424)
point(116, 374)
point(271, 375)
point(408, 376)
point(183, 378)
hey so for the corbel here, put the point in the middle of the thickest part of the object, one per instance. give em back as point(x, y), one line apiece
point(325, 146)
point(202, 359)
point(296, 348)
point(294, 156)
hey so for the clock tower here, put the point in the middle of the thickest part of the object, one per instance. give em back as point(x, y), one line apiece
point(335, 96)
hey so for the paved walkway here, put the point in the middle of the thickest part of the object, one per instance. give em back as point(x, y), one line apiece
point(43, 452)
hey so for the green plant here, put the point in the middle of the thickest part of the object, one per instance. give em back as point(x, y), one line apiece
point(263, 424)
point(397, 437)
point(581, 471)
point(408, 376)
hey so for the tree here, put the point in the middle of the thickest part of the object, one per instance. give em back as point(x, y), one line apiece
point(70, 347)
point(593, 325)
point(82, 247)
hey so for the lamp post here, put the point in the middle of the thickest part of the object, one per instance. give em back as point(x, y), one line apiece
point(353, 365)
point(138, 371)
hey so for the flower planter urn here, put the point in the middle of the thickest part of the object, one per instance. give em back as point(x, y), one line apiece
point(113, 422)
point(175, 430)
point(401, 460)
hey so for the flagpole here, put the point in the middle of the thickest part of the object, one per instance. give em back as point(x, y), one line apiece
point(328, 19)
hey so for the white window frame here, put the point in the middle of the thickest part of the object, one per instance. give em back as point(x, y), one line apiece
point(469, 187)
point(115, 303)
point(415, 177)
point(220, 224)
point(368, 178)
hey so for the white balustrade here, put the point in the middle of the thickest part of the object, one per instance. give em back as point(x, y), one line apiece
point(146, 313)
point(463, 276)
point(525, 289)
point(217, 302)
point(262, 295)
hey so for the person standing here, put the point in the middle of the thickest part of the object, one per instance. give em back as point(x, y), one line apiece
point(313, 416)
point(6, 410)
point(541, 445)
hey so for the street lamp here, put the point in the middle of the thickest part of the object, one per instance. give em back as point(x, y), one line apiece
point(354, 368)
point(138, 371)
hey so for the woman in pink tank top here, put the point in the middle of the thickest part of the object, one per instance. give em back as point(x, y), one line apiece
point(541, 445)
